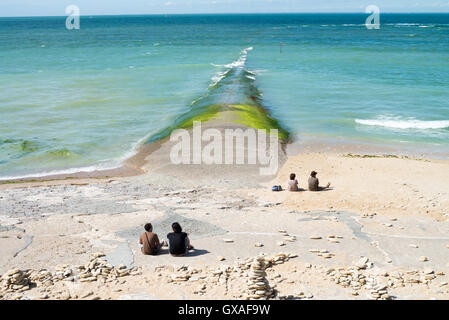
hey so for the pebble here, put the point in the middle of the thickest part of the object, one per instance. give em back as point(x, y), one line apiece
point(423, 259)
point(315, 237)
point(228, 240)
point(258, 244)
point(220, 258)
point(428, 271)
point(86, 294)
point(281, 243)
point(414, 245)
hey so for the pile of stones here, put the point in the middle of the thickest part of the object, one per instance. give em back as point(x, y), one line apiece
point(184, 273)
point(258, 287)
point(97, 269)
point(377, 291)
point(15, 281)
point(377, 282)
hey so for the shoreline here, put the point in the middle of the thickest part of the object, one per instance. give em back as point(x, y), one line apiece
point(135, 164)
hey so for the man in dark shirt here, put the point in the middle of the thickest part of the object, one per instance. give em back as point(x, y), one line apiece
point(149, 241)
point(314, 183)
point(178, 241)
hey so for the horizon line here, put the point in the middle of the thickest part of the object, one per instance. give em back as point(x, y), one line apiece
point(215, 13)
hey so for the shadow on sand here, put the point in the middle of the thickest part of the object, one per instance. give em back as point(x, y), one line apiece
point(191, 253)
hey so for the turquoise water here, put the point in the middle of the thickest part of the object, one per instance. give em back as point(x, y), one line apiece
point(72, 99)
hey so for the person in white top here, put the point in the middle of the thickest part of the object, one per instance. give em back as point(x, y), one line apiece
point(293, 183)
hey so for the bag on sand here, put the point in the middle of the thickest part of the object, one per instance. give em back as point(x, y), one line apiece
point(276, 188)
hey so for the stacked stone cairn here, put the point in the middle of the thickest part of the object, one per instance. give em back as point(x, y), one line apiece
point(258, 287)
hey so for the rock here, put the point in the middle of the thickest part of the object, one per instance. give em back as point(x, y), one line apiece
point(315, 237)
point(98, 255)
point(362, 263)
point(258, 244)
point(86, 294)
point(228, 240)
point(220, 258)
point(413, 245)
point(428, 271)
point(65, 296)
point(281, 243)
point(423, 259)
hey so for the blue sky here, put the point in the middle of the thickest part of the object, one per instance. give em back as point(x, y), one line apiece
point(93, 7)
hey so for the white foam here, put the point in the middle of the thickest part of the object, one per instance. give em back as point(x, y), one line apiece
point(62, 172)
point(405, 124)
point(239, 63)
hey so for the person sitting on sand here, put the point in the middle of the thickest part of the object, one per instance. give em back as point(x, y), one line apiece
point(293, 183)
point(178, 241)
point(149, 241)
point(314, 183)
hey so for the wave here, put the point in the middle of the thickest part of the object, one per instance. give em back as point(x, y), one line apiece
point(61, 172)
point(405, 124)
point(239, 63)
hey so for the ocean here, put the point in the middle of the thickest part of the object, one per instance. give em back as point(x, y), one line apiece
point(83, 100)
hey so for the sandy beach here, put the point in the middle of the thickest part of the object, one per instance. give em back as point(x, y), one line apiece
point(380, 232)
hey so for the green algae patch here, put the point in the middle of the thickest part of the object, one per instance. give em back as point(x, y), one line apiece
point(212, 112)
point(186, 121)
point(251, 116)
point(257, 118)
point(61, 153)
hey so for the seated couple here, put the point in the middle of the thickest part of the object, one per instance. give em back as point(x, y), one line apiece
point(314, 183)
point(178, 241)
